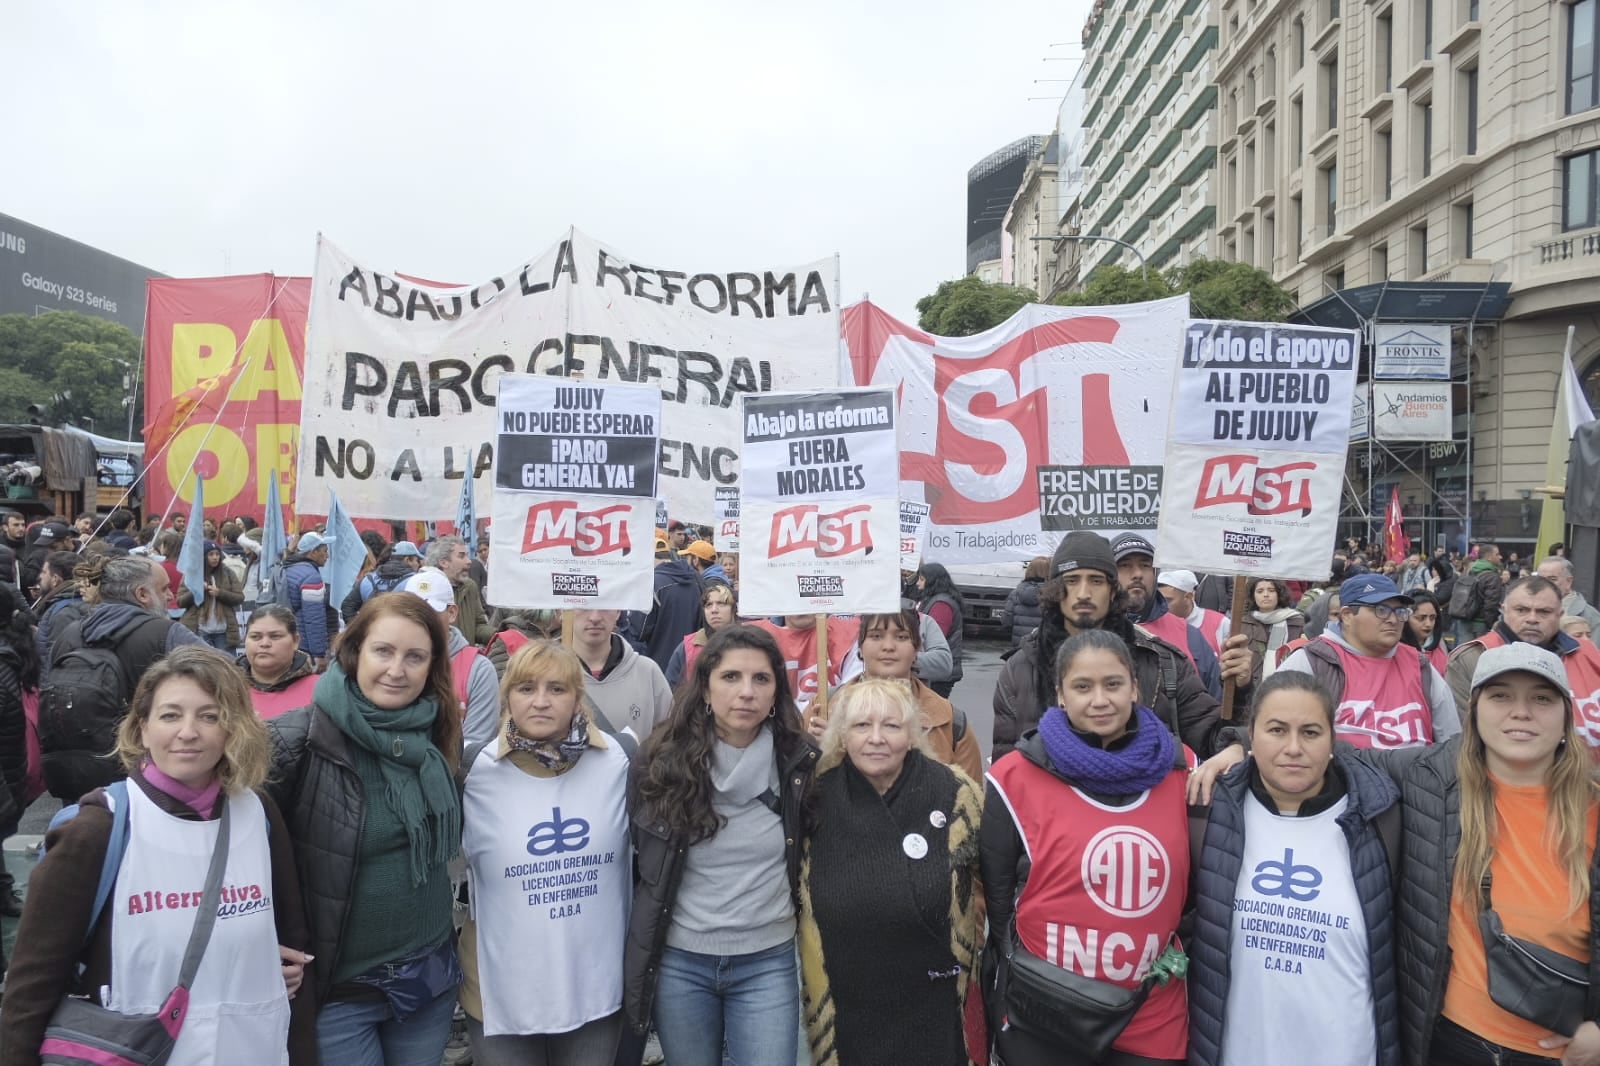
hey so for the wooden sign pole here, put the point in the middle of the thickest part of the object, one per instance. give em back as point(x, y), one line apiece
point(566, 629)
point(819, 706)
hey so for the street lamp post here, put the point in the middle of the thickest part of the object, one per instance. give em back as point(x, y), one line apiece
point(1144, 272)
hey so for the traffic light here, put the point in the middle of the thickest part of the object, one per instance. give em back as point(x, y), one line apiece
point(37, 413)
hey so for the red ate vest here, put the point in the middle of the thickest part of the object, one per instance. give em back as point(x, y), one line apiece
point(1383, 705)
point(296, 694)
point(1210, 626)
point(1106, 890)
point(1583, 677)
point(799, 649)
point(461, 672)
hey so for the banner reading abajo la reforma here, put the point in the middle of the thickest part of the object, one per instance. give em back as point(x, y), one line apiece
point(1080, 392)
point(400, 377)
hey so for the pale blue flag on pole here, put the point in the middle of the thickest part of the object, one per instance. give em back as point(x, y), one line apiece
point(274, 539)
point(192, 556)
point(347, 552)
point(467, 513)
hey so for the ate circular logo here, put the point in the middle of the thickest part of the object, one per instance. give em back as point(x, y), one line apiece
point(1126, 871)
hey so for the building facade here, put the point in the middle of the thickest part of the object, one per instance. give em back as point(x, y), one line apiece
point(44, 271)
point(1034, 213)
point(991, 184)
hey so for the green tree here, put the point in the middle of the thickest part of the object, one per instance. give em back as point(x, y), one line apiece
point(970, 305)
point(81, 368)
point(1217, 289)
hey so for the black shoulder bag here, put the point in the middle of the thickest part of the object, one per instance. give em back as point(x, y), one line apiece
point(1542, 986)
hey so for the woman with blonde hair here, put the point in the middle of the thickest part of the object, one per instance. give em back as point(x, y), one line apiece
point(718, 606)
point(891, 909)
point(557, 892)
point(194, 750)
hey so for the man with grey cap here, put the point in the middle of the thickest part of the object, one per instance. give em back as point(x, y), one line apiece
point(1136, 574)
point(1386, 693)
point(307, 590)
point(398, 562)
point(476, 683)
point(1082, 594)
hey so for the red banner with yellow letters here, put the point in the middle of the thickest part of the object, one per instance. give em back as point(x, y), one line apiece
point(223, 359)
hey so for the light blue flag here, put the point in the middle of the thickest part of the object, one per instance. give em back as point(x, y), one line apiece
point(274, 538)
point(192, 556)
point(347, 552)
point(467, 513)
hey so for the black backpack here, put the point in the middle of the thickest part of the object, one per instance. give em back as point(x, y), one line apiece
point(1466, 598)
point(84, 699)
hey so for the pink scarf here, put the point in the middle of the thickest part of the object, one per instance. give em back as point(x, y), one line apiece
point(202, 802)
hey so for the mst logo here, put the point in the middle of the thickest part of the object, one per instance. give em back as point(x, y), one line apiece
point(828, 535)
point(561, 524)
point(1264, 490)
point(558, 835)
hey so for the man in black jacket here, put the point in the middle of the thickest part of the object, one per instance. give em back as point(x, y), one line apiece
point(1082, 594)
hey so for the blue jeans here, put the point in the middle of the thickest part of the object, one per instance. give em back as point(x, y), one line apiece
point(217, 640)
point(748, 1005)
point(368, 1034)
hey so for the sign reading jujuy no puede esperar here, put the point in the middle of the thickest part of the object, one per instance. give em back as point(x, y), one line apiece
point(1256, 449)
point(820, 509)
point(574, 493)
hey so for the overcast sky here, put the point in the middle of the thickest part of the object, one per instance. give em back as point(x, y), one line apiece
point(455, 141)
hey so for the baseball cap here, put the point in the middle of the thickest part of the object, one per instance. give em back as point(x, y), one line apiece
point(310, 542)
point(1182, 580)
point(404, 549)
point(1366, 589)
point(52, 533)
point(1520, 657)
point(431, 584)
point(701, 550)
point(1083, 551)
point(661, 543)
point(1131, 544)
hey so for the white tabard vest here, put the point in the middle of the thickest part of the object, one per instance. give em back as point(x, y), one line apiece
point(551, 867)
point(238, 1007)
point(1301, 986)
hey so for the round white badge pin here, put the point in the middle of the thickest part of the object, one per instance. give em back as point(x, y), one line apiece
point(915, 845)
point(937, 819)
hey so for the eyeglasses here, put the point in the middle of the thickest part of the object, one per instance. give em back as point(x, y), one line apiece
point(1385, 612)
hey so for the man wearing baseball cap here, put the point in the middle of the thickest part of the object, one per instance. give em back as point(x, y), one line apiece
point(477, 685)
point(308, 595)
point(703, 557)
point(1082, 594)
point(397, 563)
point(1387, 694)
point(1136, 575)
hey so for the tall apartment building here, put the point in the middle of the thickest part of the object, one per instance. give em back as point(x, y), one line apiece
point(1431, 141)
point(1150, 144)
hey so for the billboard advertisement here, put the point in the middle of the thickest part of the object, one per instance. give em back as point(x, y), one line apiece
point(43, 271)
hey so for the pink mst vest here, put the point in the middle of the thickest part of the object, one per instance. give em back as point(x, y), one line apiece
point(297, 694)
point(1174, 630)
point(1210, 626)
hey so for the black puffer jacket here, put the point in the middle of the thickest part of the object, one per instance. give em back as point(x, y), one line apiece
point(1022, 612)
point(13, 731)
point(658, 862)
point(1368, 826)
point(1431, 816)
point(315, 785)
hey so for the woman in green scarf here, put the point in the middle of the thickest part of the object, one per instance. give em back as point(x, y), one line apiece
point(366, 778)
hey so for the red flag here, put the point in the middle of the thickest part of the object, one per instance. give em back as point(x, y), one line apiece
point(1396, 545)
point(199, 404)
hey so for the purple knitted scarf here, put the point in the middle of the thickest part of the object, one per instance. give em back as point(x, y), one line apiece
point(1141, 764)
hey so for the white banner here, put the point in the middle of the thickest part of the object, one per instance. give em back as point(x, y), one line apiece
point(574, 494)
point(817, 496)
point(1361, 412)
point(913, 533)
point(725, 508)
point(1082, 392)
point(1255, 461)
point(1411, 350)
point(400, 376)
point(1411, 410)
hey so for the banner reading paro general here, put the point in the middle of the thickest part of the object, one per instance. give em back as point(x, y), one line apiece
point(401, 376)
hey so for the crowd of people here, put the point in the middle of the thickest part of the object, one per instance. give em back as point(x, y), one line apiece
point(420, 818)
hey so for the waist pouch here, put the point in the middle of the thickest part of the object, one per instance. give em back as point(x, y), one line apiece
point(1079, 1015)
point(412, 983)
point(1534, 983)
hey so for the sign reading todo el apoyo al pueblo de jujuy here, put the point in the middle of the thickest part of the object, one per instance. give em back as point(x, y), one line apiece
point(1256, 449)
point(574, 493)
point(820, 521)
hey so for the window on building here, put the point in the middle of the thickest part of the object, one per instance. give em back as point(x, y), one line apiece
point(1297, 129)
point(1269, 74)
point(1300, 40)
point(1425, 28)
point(1233, 187)
point(1461, 229)
point(1383, 153)
point(1583, 59)
point(1418, 252)
point(1580, 191)
point(1380, 264)
point(1330, 92)
point(1269, 154)
point(1383, 51)
point(1328, 181)
point(1334, 279)
point(1422, 123)
point(1249, 172)
point(1297, 222)
point(1249, 93)
point(1269, 242)
point(1333, 10)
point(1230, 117)
point(1472, 10)
point(1469, 110)
point(1247, 246)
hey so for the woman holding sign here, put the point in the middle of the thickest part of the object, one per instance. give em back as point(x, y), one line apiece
point(556, 891)
point(1300, 826)
point(724, 795)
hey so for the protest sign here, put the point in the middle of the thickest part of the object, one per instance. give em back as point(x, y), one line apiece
point(1107, 497)
point(1406, 350)
point(1411, 410)
point(1361, 412)
point(400, 374)
point(1084, 390)
point(574, 493)
point(725, 512)
point(913, 533)
point(1255, 462)
point(818, 500)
